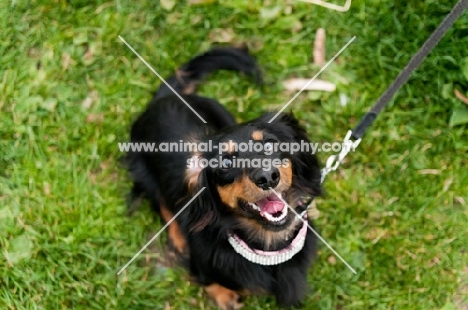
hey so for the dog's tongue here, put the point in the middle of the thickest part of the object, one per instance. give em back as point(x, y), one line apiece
point(271, 205)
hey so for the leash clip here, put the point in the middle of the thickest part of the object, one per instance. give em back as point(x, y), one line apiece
point(334, 161)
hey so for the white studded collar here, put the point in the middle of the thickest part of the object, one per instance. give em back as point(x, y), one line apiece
point(269, 258)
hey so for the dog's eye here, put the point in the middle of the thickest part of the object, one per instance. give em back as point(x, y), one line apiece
point(268, 145)
point(227, 163)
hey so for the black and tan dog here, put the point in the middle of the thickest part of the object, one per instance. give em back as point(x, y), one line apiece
point(237, 237)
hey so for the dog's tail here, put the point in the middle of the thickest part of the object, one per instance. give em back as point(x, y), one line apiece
point(186, 79)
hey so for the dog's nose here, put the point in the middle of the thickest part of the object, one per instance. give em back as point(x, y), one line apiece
point(266, 179)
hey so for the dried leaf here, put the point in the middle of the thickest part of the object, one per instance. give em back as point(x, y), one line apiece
point(460, 96)
point(220, 35)
point(47, 189)
point(296, 84)
point(87, 103)
point(95, 118)
point(168, 5)
point(343, 100)
point(200, 2)
point(319, 47)
point(429, 171)
point(66, 58)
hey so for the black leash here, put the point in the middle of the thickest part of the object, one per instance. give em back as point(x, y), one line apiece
point(353, 137)
point(412, 65)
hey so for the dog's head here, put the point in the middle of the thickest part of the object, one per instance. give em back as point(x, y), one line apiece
point(252, 174)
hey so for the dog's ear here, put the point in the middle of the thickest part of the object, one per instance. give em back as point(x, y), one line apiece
point(305, 165)
point(205, 210)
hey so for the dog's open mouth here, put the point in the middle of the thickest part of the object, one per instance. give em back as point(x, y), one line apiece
point(270, 208)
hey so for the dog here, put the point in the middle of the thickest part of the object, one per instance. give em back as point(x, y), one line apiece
point(238, 237)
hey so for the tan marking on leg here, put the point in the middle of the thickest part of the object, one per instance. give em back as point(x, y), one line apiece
point(179, 74)
point(174, 231)
point(189, 89)
point(257, 135)
point(225, 298)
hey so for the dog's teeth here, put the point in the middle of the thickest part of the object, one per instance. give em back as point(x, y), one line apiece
point(279, 218)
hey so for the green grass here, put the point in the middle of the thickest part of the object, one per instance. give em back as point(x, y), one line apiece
point(63, 232)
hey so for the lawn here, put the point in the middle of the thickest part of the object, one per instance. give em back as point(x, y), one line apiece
point(397, 210)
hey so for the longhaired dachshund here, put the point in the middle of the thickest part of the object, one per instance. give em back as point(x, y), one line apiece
point(237, 237)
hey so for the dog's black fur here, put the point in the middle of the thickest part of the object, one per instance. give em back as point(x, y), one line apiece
point(169, 184)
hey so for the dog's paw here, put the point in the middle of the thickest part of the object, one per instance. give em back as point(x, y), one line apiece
point(225, 298)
